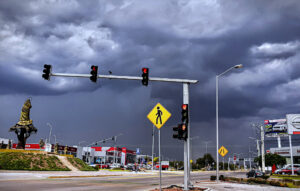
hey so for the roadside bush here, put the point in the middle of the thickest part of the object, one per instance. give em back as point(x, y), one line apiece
point(265, 177)
point(221, 177)
point(274, 183)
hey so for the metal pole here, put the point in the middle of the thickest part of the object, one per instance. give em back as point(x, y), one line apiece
point(279, 141)
point(262, 136)
point(159, 159)
point(223, 164)
point(257, 147)
point(217, 128)
point(50, 132)
point(186, 143)
point(228, 163)
point(291, 154)
point(152, 146)
point(250, 163)
point(125, 77)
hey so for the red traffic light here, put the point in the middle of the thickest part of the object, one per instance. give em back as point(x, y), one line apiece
point(184, 106)
point(145, 70)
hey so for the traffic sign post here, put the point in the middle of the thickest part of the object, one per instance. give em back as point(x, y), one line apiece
point(159, 116)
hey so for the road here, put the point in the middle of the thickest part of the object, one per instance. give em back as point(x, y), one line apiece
point(125, 182)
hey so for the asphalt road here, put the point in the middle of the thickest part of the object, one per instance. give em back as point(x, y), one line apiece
point(108, 183)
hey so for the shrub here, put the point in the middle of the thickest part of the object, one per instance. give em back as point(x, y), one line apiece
point(274, 183)
point(221, 177)
point(213, 177)
point(265, 177)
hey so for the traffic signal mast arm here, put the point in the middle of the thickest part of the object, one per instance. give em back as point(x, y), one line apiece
point(126, 78)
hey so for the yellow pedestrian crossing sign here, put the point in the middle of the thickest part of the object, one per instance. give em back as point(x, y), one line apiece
point(159, 115)
point(223, 151)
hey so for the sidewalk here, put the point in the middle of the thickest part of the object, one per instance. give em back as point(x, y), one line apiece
point(21, 175)
point(226, 186)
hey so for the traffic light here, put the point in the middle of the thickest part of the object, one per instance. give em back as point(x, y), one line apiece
point(94, 73)
point(184, 130)
point(47, 72)
point(145, 76)
point(185, 114)
point(180, 132)
point(177, 132)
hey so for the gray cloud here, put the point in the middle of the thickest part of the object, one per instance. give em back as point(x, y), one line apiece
point(176, 39)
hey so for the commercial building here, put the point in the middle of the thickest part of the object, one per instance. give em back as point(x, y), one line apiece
point(104, 155)
point(285, 152)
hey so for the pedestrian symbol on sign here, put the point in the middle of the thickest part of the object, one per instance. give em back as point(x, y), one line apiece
point(159, 114)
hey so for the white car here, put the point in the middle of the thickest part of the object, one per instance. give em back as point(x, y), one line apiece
point(115, 165)
point(280, 128)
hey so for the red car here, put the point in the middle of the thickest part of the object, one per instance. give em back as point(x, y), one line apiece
point(288, 170)
point(103, 166)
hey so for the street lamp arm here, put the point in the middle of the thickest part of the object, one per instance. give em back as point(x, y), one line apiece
point(225, 71)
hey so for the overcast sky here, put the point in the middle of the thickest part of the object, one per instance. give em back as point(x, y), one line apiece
point(189, 39)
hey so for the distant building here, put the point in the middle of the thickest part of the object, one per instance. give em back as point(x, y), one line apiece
point(4, 143)
point(104, 155)
point(285, 152)
point(48, 148)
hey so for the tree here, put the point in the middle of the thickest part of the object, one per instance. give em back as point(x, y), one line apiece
point(206, 160)
point(271, 159)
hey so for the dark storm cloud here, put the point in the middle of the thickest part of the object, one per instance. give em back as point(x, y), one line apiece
point(176, 39)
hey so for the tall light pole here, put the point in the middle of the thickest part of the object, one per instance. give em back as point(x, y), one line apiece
point(217, 115)
point(50, 131)
point(54, 139)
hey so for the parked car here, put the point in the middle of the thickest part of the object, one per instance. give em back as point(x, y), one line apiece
point(255, 173)
point(115, 165)
point(103, 166)
point(288, 169)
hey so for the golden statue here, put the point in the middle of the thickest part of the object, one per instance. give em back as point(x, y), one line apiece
point(24, 127)
point(56, 148)
point(66, 149)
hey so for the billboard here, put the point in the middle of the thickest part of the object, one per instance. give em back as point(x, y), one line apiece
point(293, 123)
point(275, 127)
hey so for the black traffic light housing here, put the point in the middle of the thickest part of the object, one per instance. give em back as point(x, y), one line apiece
point(184, 130)
point(185, 114)
point(145, 76)
point(47, 72)
point(180, 132)
point(94, 73)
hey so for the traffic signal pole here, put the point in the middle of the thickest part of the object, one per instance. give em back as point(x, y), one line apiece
point(186, 142)
point(185, 83)
point(126, 78)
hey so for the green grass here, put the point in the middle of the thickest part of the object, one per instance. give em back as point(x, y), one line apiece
point(30, 161)
point(78, 163)
point(286, 177)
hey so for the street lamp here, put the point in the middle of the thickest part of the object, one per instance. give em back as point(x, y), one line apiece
point(50, 131)
point(217, 115)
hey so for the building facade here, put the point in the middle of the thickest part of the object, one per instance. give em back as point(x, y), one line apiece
point(106, 155)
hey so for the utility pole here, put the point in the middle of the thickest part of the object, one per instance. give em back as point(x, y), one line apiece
point(262, 136)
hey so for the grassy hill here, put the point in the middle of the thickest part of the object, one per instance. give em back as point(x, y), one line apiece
point(30, 161)
point(79, 164)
